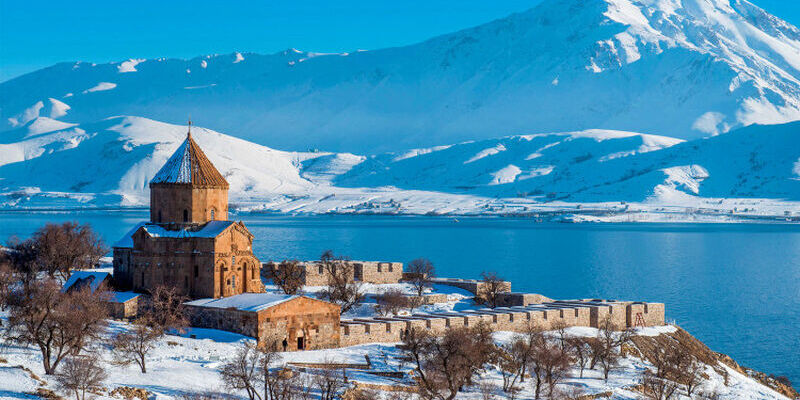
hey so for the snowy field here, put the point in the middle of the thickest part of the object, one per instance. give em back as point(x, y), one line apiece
point(181, 364)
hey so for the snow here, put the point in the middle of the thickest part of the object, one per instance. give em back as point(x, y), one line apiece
point(191, 361)
point(100, 87)
point(239, 58)
point(127, 240)
point(210, 229)
point(92, 278)
point(122, 297)
point(178, 168)
point(129, 66)
point(245, 301)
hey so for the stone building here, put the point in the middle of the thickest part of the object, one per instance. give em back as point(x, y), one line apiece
point(291, 322)
point(315, 274)
point(189, 243)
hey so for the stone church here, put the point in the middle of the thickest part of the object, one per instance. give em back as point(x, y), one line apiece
point(189, 243)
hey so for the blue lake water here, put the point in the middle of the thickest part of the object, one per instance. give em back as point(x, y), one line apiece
point(734, 286)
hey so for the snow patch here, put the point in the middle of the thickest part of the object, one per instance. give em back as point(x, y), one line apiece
point(486, 153)
point(238, 58)
point(712, 123)
point(505, 175)
point(130, 65)
point(102, 86)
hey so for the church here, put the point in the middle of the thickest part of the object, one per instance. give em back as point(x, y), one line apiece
point(188, 243)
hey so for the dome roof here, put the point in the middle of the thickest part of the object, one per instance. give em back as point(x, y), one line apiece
point(189, 165)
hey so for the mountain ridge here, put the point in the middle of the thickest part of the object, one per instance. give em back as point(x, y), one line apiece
point(689, 69)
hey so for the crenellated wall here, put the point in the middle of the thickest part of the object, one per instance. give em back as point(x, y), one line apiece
point(547, 316)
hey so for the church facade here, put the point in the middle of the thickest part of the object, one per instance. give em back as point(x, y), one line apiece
point(188, 243)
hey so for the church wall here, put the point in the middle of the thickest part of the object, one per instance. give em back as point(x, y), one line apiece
point(317, 322)
point(206, 199)
point(236, 269)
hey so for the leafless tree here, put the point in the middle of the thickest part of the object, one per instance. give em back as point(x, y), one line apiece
point(330, 383)
point(391, 302)
point(548, 365)
point(510, 360)
point(21, 256)
point(420, 271)
point(79, 374)
point(606, 347)
point(59, 324)
point(242, 371)
point(60, 248)
point(493, 286)
point(7, 281)
point(560, 327)
point(580, 350)
point(446, 364)
point(288, 275)
point(133, 346)
point(164, 308)
point(342, 289)
point(656, 388)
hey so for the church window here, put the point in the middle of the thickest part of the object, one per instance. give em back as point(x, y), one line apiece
point(252, 273)
point(159, 215)
point(185, 215)
point(196, 271)
point(233, 260)
point(234, 282)
point(185, 281)
point(212, 214)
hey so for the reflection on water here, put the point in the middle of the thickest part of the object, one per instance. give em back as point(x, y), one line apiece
point(736, 287)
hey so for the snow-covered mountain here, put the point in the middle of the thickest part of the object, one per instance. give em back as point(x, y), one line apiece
point(600, 166)
point(680, 68)
point(49, 163)
point(112, 161)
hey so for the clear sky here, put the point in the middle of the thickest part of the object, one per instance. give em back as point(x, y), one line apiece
point(36, 34)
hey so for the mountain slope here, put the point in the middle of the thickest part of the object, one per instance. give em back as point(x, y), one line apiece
point(684, 68)
point(600, 166)
point(112, 161)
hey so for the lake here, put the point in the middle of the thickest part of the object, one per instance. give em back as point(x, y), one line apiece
point(734, 286)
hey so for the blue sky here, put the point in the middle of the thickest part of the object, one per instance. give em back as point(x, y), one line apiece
point(37, 34)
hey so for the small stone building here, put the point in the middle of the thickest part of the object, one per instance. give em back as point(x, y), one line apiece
point(315, 274)
point(293, 322)
point(189, 243)
point(120, 304)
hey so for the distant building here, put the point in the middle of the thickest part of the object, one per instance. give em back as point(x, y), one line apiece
point(189, 243)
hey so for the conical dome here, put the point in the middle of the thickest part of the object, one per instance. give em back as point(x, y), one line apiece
point(189, 165)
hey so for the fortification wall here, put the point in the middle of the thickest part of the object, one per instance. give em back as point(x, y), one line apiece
point(547, 316)
point(378, 272)
point(473, 286)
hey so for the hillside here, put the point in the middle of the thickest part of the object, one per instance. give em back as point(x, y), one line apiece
point(681, 69)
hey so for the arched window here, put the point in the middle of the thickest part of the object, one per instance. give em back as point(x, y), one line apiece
point(185, 215)
point(213, 213)
point(159, 216)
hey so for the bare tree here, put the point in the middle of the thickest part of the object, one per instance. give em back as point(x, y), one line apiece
point(420, 271)
point(330, 383)
point(606, 348)
point(242, 371)
point(21, 256)
point(79, 374)
point(342, 289)
point(59, 324)
point(59, 249)
point(656, 388)
point(446, 364)
point(492, 287)
point(164, 308)
point(510, 360)
point(548, 365)
point(134, 345)
point(580, 350)
point(391, 302)
point(289, 276)
point(7, 281)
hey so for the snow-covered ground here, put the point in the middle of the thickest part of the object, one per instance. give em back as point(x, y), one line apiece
point(181, 364)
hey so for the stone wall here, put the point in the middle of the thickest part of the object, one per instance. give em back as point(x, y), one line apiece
point(378, 272)
point(168, 202)
point(473, 286)
point(547, 316)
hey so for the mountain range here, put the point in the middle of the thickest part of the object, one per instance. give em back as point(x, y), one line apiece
point(665, 102)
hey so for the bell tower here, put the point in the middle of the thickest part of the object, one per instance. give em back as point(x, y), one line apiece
point(188, 189)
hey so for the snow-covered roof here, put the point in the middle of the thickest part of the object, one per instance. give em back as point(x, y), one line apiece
point(122, 297)
point(211, 229)
point(245, 301)
point(92, 279)
point(189, 165)
point(127, 240)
